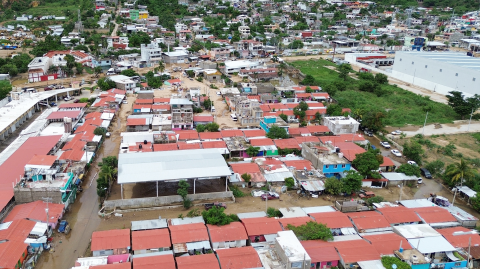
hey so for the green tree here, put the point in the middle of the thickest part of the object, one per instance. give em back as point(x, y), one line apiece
point(207, 104)
point(97, 70)
point(381, 78)
point(10, 69)
point(388, 262)
point(106, 84)
point(290, 182)
point(161, 66)
point(129, 73)
point(183, 192)
point(273, 213)
point(409, 170)
point(333, 186)
point(297, 44)
point(376, 199)
point(352, 182)
point(365, 162)
point(374, 120)
point(334, 110)
point(318, 116)
point(217, 216)
point(435, 167)
point(308, 80)
point(312, 231)
point(461, 171)
point(413, 150)
point(200, 128)
point(461, 105)
point(5, 88)
point(136, 39)
point(100, 131)
point(70, 61)
point(344, 70)
point(253, 151)
point(276, 132)
point(212, 127)
point(246, 177)
point(283, 117)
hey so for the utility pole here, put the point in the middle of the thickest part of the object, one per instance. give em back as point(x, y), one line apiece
point(47, 200)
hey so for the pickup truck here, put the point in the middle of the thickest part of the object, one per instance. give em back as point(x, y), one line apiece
point(64, 227)
point(217, 204)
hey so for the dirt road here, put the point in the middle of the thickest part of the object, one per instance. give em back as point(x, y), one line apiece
point(457, 127)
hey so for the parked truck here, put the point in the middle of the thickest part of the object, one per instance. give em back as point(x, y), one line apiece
point(64, 227)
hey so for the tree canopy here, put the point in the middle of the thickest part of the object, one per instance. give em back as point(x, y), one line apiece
point(5, 88)
point(312, 231)
point(413, 150)
point(217, 216)
point(352, 182)
point(365, 163)
point(409, 169)
point(461, 105)
point(276, 132)
point(333, 186)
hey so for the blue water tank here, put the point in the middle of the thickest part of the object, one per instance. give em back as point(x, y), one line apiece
point(400, 250)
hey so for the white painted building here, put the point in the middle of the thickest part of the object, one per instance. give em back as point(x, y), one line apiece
point(235, 66)
point(341, 125)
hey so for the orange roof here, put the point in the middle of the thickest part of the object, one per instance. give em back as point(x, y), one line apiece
point(11, 252)
point(299, 164)
point(318, 129)
point(298, 131)
point(312, 112)
point(158, 238)
point(242, 168)
point(261, 226)
point(165, 147)
point(333, 220)
point(356, 250)
point(77, 53)
point(142, 106)
point(254, 133)
point(72, 105)
point(302, 139)
point(136, 121)
point(320, 251)
point(205, 261)
point(297, 221)
point(261, 142)
point(387, 162)
point(349, 149)
point(154, 262)
point(254, 97)
point(387, 243)
point(161, 100)
point(161, 107)
point(303, 95)
point(123, 265)
point(460, 241)
point(231, 133)
point(203, 118)
point(187, 135)
point(231, 232)
point(368, 220)
point(434, 214)
point(314, 104)
point(74, 114)
point(36, 211)
point(184, 146)
point(210, 135)
point(45, 160)
point(111, 239)
point(239, 258)
point(188, 233)
point(287, 143)
point(277, 106)
point(265, 108)
point(214, 144)
point(144, 101)
point(399, 214)
point(17, 231)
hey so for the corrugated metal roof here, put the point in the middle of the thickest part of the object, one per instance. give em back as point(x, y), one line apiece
point(205, 261)
point(149, 239)
point(188, 233)
point(333, 220)
point(231, 232)
point(292, 212)
point(11, 252)
point(154, 262)
point(148, 224)
point(111, 239)
point(250, 215)
point(313, 185)
point(74, 114)
point(261, 226)
point(239, 258)
point(431, 244)
point(36, 211)
point(318, 209)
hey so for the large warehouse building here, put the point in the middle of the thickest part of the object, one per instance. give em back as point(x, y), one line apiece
point(439, 71)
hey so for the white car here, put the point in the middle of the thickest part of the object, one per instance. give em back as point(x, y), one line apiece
point(107, 134)
point(412, 163)
point(219, 93)
point(385, 144)
point(396, 132)
point(396, 153)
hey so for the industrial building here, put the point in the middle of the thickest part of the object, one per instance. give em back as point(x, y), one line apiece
point(440, 72)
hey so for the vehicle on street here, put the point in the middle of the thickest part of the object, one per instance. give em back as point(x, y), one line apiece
point(53, 104)
point(412, 163)
point(234, 117)
point(396, 132)
point(213, 109)
point(385, 144)
point(420, 181)
point(396, 153)
point(425, 173)
point(76, 100)
point(219, 93)
point(68, 98)
point(47, 89)
point(366, 194)
point(217, 204)
point(368, 133)
point(270, 196)
point(64, 227)
point(108, 134)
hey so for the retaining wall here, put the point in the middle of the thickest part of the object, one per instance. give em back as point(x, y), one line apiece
point(163, 201)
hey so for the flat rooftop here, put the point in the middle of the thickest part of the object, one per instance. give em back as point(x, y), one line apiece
point(171, 165)
point(458, 59)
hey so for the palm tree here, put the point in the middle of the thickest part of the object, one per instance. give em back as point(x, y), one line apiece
point(161, 66)
point(460, 171)
point(108, 173)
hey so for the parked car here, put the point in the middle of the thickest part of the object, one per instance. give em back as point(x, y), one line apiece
point(396, 132)
point(64, 227)
point(368, 133)
point(412, 163)
point(53, 104)
point(219, 93)
point(396, 153)
point(385, 144)
point(108, 134)
point(270, 196)
point(425, 173)
point(68, 98)
point(217, 204)
point(47, 89)
point(76, 100)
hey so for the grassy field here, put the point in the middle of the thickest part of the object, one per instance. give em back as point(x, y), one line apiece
point(401, 106)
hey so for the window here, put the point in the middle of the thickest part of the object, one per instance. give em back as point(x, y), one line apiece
point(335, 166)
point(326, 166)
point(344, 165)
point(400, 59)
point(296, 265)
point(329, 263)
point(473, 79)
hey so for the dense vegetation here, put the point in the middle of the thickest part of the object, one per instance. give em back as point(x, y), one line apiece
point(166, 10)
point(365, 96)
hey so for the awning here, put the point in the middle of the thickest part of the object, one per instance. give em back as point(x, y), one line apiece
point(451, 256)
point(313, 185)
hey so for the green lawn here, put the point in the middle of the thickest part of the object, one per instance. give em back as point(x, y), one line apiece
point(402, 107)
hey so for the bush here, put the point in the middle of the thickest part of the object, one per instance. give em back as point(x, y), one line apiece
point(217, 216)
point(289, 182)
point(376, 199)
point(236, 191)
point(333, 186)
point(388, 261)
point(194, 213)
point(409, 170)
point(272, 212)
point(312, 231)
point(187, 203)
point(436, 167)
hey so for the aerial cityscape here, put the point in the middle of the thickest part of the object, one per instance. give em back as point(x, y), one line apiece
point(215, 134)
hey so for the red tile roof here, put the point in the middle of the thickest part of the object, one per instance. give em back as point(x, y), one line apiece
point(333, 220)
point(77, 53)
point(320, 251)
point(111, 239)
point(214, 144)
point(203, 118)
point(184, 146)
point(242, 168)
point(239, 258)
point(303, 139)
point(210, 135)
point(318, 129)
point(434, 214)
point(321, 94)
point(387, 243)
point(356, 251)
point(188, 233)
point(161, 100)
point(231, 133)
point(158, 238)
point(399, 214)
point(349, 149)
point(261, 226)
point(299, 164)
point(44, 160)
point(277, 106)
point(314, 105)
point(123, 265)
point(36, 211)
point(297, 221)
point(11, 252)
point(368, 220)
point(187, 135)
point(144, 101)
point(265, 108)
point(254, 133)
point(154, 262)
point(205, 261)
point(343, 138)
point(313, 112)
point(387, 162)
point(17, 231)
point(261, 142)
point(299, 131)
point(73, 105)
point(231, 232)
point(142, 106)
point(165, 147)
point(460, 241)
point(287, 143)
point(161, 107)
point(303, 95)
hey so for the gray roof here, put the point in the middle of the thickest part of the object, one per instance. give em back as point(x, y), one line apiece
point(467, 191)
point(182, 221)
point(251, 215)
point(415, 231)
point(417, 203)
point(431, 244)
point(393, 176)
point(180, 101)
point(171, 165)
point(453, 58)
point(157, 253)
point(149, 224)
point(292, 212)
point(318, 209)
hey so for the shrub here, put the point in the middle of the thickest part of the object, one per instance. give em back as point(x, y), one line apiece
point(194, 213)
point(388, 261)
point(312, 231)
point(236, 191)
point(376, 199)
point(272, 212)
point(217, 216)
point(289, 182)
point(436, 167)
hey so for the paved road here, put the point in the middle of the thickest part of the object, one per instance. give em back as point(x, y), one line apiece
point(455, 128)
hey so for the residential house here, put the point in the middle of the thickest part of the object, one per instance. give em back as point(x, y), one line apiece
point(209, 261)
point(465, 240)
point(261, 229)
point(152, 262)
point(148, 241)
point(353, 251)
point(182, 113)
point(369, 222)
point(400, 215)
point(325, 158)
point(238, 258)
point(322, 254)
point(111, 242)
point(189, 238)
point(291, 251)
point(266, 145)
point(246, 168)
point(436, 217)
point(232, 235)
point(202, 119)
point(268, 121)
point(338, 222)
point(35, 211)
point(341, 125)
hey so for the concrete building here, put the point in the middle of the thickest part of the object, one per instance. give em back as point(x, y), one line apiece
point(175, 57)
point(439, 71)
point(232, 235)
point(151, 53)
point(291, 251)
point(235, 66)
point(341, 125)
point(37, 68)
point(182, 113)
